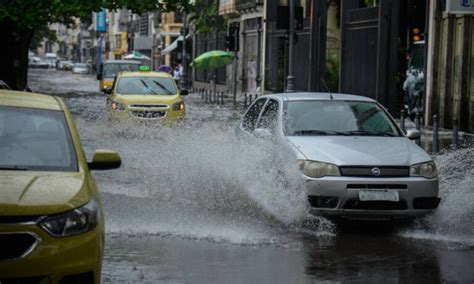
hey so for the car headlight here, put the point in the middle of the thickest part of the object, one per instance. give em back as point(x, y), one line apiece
point(426, 170)
point(317, 169)
point(74, 222)
point(179, 106)
point(117, 106)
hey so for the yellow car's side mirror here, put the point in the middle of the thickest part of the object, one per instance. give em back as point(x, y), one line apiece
point(105, 160)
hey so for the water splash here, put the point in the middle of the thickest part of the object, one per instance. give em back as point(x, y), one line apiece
point(453, 221)
point(197, 182)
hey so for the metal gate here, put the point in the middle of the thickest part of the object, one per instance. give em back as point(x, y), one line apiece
point(369, 51)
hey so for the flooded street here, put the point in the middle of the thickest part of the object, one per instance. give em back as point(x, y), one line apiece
point(193, 204)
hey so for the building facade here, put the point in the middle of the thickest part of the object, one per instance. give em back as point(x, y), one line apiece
point(450, 76)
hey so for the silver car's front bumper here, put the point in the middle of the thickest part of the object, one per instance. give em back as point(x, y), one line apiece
point(343, 192)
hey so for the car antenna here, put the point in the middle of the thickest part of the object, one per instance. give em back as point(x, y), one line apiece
point(326, 86)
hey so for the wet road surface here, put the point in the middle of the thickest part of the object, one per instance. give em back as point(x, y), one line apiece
point(192, 205)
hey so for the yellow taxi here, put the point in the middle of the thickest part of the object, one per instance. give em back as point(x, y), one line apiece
point(110, 68)
point(51, 219)
point(145, 96)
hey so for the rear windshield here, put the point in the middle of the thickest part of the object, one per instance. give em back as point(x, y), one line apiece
point(146, 86)
point(33, 139)
point(112, 69)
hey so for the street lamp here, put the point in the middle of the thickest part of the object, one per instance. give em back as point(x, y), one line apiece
point(290, 80)
point(182, 79)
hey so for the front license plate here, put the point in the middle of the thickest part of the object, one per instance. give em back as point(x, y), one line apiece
point(378, 195)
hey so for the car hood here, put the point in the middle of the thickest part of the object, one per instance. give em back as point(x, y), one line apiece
point(359, 150)
point(148, 99)
point(40, 193)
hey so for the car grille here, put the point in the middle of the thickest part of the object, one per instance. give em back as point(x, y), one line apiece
point(16, 245)
point(356, 204)
point(377, 186)
point(25, 280)
point(368, 171)
point(19, 219)
point(148, 106)
point(148, 114)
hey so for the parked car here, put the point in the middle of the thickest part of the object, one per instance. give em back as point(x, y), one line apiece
point(354, 159)
point(51, 219)
point(80, 68)
point(51, 59)
point(64, 65)
point(145, 96)
point(36, 62)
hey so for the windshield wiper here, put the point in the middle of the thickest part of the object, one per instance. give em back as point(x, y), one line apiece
point(163, 87)
point(369, 133)
point(318, 132)
point(148, 88)
point(13, 168)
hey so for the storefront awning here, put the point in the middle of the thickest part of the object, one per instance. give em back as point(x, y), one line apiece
point(173, 45)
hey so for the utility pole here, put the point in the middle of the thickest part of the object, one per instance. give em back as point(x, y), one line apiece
point(290, 80)
point(182, 79)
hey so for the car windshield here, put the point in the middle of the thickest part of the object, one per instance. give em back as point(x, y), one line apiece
point(33, 139)
point(112, 69)
point(146, 85)
point(336, 117)
point(80, 65)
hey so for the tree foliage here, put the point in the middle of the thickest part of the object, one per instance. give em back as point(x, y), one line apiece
point(20, 20)
point(206, 18)
point(31, 14)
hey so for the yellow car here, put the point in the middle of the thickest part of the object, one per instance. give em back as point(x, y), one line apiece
point(110, 68)
point(51, 219)
point(145, 96)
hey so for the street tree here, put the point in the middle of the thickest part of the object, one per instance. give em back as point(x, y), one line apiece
point(20, 20)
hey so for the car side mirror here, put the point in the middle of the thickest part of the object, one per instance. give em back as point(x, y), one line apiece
point(184, 92)
point(105, 160)
point(263, 133)
point(108, 90)
point(413, 134)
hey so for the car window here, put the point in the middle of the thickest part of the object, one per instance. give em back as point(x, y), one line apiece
point(372, 118)
point(251, 116)
point(269, 115)
point(349, 117)
point(34, 139)
point(146, 85)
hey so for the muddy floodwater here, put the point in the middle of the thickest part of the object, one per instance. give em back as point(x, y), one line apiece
point(193, 204)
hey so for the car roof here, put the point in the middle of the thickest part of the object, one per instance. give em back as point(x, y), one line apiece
point(144, 74)
point(122, 61)
point(297, 96)
point(29, 100)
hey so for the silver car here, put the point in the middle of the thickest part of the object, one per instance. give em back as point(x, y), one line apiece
point(80, 68)
point(357, 163)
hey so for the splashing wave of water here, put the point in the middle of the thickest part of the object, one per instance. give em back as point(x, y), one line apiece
point(453, 220)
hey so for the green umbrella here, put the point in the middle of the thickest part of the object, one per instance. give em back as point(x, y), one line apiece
point(213, 59)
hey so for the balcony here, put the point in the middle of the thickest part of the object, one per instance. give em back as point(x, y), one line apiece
point(227, 8)
point(248, 4)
